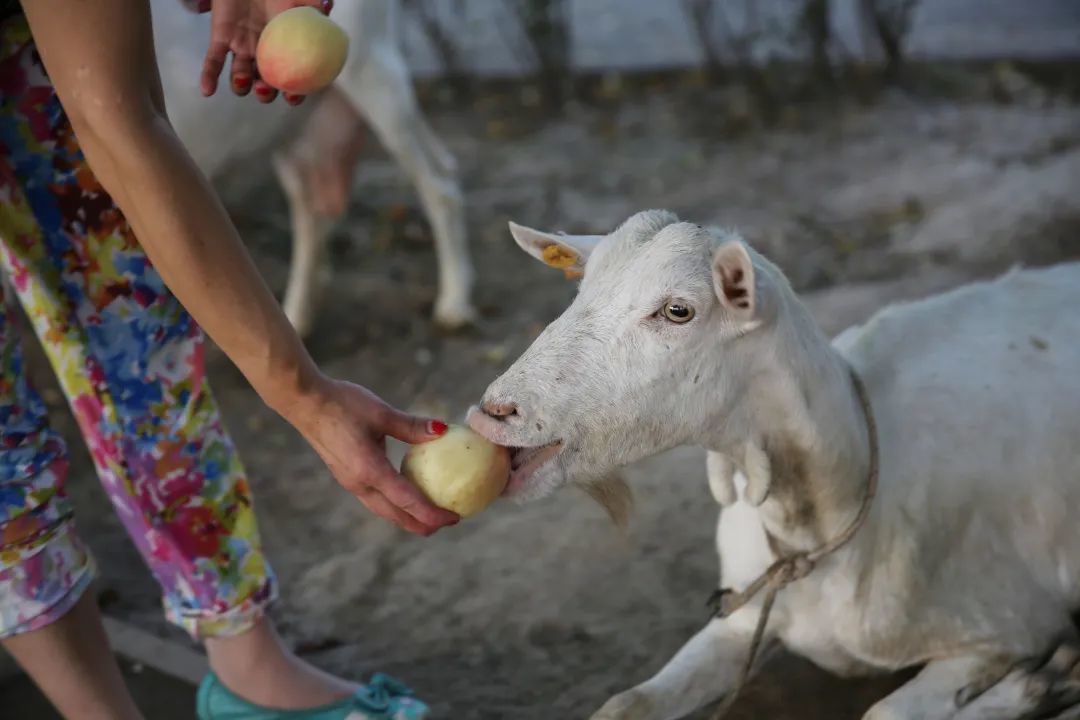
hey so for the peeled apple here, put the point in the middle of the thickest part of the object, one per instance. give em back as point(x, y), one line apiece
point(301, 50)
point(461, 471)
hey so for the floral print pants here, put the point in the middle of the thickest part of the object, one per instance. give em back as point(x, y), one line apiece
point(130, 361)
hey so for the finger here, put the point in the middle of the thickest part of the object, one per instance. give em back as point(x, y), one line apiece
point(264, 92)
point(379, 474)
point(243, 74)
point(324, 5)
point(406, 496)
point(213, 64)
point(410, 428)
point(374, 501)
point(293, 99)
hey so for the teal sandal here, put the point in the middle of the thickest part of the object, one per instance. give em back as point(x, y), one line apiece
point(384, 698)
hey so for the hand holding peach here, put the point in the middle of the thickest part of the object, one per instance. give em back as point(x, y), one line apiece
point(301, 51)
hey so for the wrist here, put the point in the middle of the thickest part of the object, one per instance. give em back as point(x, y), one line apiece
point(296, 392)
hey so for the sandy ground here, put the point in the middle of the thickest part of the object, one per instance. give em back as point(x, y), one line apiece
point(545, 610)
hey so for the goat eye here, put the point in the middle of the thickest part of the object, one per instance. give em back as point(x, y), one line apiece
point(679, 313)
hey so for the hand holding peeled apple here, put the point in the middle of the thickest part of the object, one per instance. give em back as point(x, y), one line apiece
point(347, 426)
point(303, 51)
point(449, 473)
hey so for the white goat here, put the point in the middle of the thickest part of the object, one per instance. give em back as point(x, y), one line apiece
point(225, 131)
point(969, 559)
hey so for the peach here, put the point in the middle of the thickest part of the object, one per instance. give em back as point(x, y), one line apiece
point(301, 51)
point(461, 471)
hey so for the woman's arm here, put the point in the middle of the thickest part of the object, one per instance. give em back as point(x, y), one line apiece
point(100, 57)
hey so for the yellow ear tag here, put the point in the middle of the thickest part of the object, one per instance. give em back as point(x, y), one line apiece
point(557, 256)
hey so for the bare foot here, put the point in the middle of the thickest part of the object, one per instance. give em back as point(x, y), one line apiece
point(259, 668)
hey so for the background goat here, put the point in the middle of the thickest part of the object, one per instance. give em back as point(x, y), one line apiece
point(226, 131)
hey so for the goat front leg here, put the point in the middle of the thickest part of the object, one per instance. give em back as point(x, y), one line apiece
point(989, 687)
point(381, 90)
point(967, 687)
point(705, 669)
point(1046, 687)
point(932, 694)
point(316, 173)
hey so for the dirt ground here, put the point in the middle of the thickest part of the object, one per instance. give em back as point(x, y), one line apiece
point(543, 611)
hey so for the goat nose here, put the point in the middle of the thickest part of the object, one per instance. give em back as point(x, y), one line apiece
point(500, 411)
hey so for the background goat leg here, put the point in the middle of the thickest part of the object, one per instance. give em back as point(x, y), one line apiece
point(381, 90)
point(316, 173)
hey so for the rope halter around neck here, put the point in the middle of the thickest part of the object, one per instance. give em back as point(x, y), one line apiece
point(796, 566)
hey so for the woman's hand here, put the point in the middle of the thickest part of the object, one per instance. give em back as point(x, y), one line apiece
point(347, 425)
point(235, 26)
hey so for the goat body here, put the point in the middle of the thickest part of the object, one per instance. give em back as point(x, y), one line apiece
point(969, 560)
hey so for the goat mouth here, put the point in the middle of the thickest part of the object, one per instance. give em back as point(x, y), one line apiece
point(525, 461)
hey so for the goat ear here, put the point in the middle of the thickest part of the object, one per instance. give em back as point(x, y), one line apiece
point(734, 280)
point(568, 253)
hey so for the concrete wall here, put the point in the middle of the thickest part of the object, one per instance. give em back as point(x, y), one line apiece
point(652, 34)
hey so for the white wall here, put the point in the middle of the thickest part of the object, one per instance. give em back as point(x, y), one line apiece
point(650, 34)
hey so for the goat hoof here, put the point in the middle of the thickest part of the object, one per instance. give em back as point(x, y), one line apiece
point(629, 705)
point(456, 317)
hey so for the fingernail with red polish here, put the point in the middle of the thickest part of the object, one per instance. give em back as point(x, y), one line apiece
point(437, 427)
point(203, 6)
point(264, 91)
point(242, 82)
point(327, 6)
point(293, 99)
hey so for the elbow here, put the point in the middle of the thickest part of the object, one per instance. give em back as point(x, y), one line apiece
point(108, 127)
